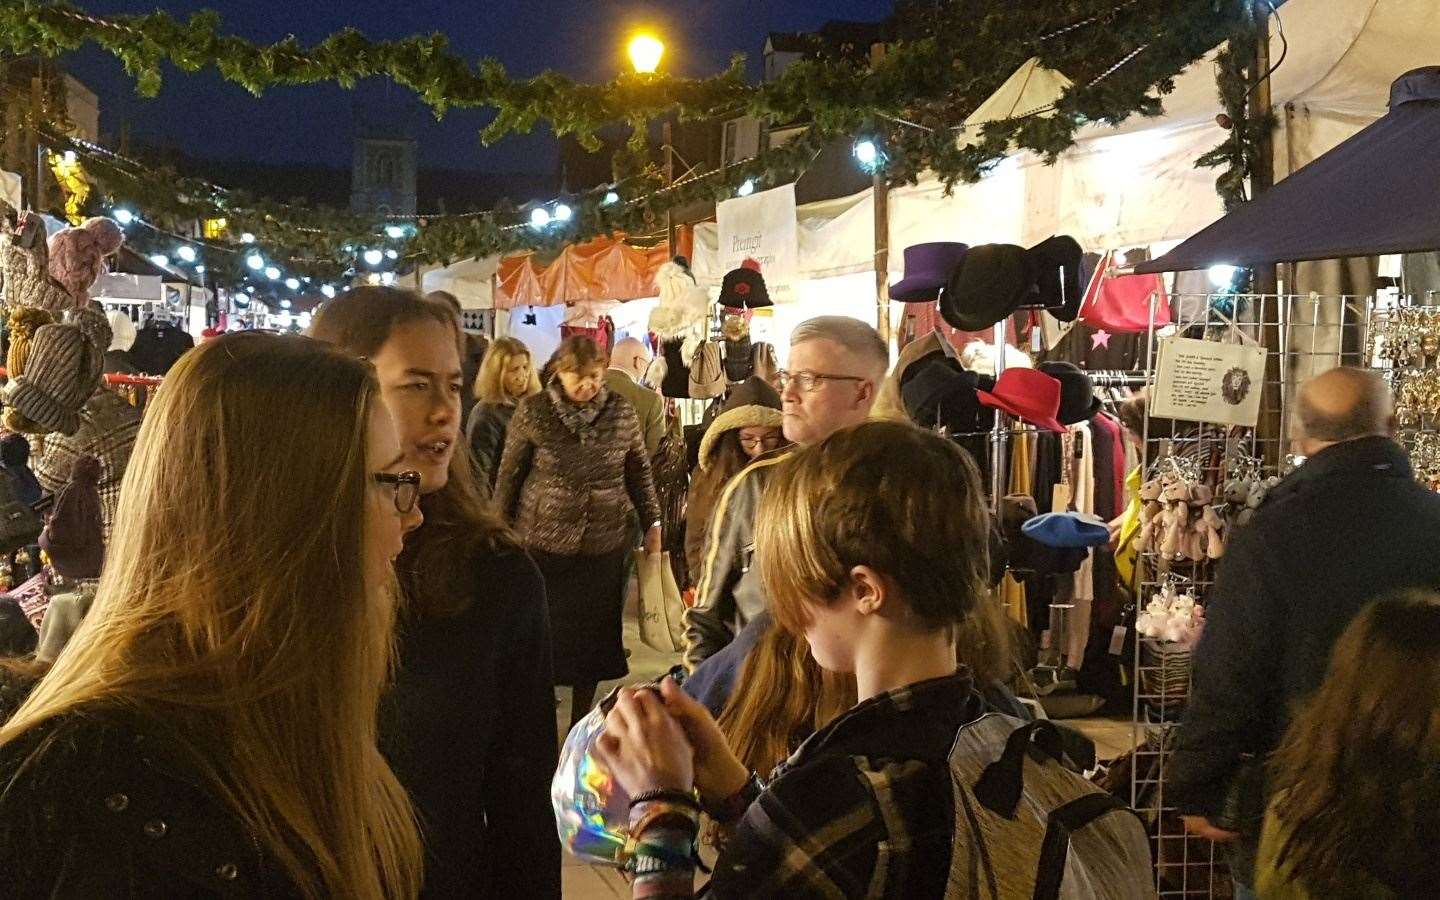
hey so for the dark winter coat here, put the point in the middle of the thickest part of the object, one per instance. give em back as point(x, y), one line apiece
point(486, 430)
point(571, 495)
point(113, 809)
point(469, 729)
point(1348, 526)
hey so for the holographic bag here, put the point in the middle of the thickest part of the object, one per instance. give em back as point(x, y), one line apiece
point(592, 810)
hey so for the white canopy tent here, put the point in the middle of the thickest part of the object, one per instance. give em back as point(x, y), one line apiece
point(472, 281)
point(1137, 184)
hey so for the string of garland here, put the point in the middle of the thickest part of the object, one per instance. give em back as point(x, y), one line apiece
point(1239, 154)
point(949, 59)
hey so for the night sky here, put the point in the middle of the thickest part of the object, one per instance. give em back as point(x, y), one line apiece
point(208, 117)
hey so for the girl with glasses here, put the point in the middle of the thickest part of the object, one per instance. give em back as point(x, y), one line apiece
point(748, 428)
point(210, 729)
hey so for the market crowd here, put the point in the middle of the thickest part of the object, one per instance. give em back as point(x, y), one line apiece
point(307, 619)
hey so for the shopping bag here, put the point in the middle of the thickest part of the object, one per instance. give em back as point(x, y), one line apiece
point(661, 608)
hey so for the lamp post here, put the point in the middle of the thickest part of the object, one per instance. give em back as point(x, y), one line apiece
point(645, 52)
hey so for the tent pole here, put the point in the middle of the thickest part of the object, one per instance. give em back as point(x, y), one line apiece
point(1266, 283)
point(881, 192)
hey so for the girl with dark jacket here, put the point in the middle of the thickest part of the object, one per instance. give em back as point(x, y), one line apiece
point(506, 377)
point(574, 467)
point(469, 726)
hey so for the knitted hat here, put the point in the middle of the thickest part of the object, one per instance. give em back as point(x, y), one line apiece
point(752, 404)
point(62, 372)
point(24, 320)
point(73, 537)
point(95, 324)
point(24, 260)
point(77, 256)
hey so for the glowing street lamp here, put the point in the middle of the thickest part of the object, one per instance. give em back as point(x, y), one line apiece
point(645, 52)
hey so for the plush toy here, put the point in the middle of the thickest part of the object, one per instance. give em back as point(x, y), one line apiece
point(1177, 619)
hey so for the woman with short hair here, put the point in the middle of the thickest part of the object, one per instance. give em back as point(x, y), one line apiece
point(574, 468)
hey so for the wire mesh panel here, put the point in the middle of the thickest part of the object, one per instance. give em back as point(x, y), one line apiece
point(1222, 472)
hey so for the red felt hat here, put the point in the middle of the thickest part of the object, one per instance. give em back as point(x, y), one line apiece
point(1026, 394)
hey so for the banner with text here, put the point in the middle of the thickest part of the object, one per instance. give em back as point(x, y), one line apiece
point(762, 227)
point(1208, 381)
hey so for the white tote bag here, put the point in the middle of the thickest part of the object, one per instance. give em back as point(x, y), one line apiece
point(661, 607)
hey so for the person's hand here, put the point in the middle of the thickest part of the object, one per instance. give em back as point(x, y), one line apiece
point(643, 746)
point(1114, 526)
point(1200, 827)
point(718, 774)
point(653, 542)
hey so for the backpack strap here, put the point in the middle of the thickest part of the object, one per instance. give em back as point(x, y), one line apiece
point(1062, 823)
point(1003, 781)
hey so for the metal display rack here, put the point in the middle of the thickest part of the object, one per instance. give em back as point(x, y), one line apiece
point(1309, 334)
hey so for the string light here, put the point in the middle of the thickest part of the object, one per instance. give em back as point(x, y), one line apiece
point(123, 216)
point(394, 232)
point(199, 270)
point(186, 253)
point(387, 278)
point(747, 188)
point(328, 290)
point(539, 218)
point(247, 238)
point(373, 257)
point(272, 273)
point(160, 260)
point(293, 284)
point(563, 213)
point(1221, 276)
point(611, 198)
point(284, 304)
point(255, 261)
point(392, 254)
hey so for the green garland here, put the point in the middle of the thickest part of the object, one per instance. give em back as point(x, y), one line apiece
point(950, 58)
point(1240, 153)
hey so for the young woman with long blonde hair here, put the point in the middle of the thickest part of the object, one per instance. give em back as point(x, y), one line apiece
point(211, 726)
point(506, 377)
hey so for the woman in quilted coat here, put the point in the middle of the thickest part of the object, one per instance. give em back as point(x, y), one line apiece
point(574, 467)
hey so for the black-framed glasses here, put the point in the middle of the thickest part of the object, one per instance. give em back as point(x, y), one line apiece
point(810, 382)
point(407, 489)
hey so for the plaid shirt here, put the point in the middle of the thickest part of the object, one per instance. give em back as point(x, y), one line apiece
point(863, 809)
point(108, 428)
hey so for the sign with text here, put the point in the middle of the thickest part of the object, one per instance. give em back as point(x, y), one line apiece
point(761, 227)
point(1207, 381)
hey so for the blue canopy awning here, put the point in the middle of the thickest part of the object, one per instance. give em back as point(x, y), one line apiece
point(1377, 193)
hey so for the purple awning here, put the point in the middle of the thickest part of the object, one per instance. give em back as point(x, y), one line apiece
point(1378, 192)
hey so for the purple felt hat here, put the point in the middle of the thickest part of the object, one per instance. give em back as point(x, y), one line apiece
point(927, 269)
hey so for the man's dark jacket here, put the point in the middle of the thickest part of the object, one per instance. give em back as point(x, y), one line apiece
point(1348, 526)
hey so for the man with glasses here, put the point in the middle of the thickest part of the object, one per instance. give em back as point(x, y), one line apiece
point(835, 369)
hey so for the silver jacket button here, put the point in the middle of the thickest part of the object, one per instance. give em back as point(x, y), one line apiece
point(155, 829)
point(227, 872)
point(117, 803)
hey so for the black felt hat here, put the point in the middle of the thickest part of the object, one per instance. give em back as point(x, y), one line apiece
point(990, 283)
point(1078, 402)
point(1057, 269)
